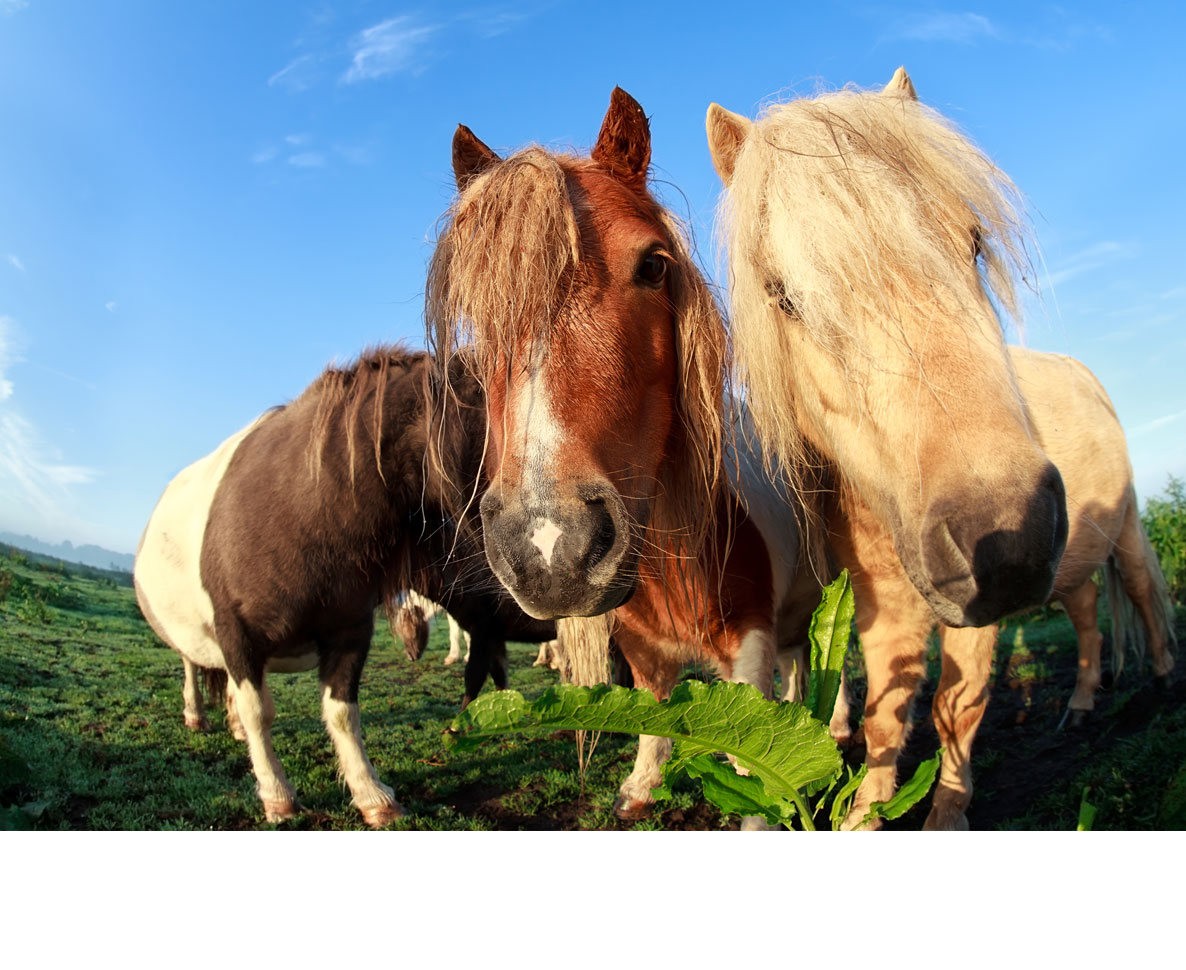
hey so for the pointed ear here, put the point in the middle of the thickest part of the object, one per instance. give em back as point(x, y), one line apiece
point(624, 144)
point(901, 84)
point(470, 156)
point(726, 134)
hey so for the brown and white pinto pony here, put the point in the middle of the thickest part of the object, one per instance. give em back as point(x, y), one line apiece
point(272, 553)
point(603, 355)
point(867, 244)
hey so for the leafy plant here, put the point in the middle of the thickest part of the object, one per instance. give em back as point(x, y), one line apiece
point(783, 752)
point(1164, 520)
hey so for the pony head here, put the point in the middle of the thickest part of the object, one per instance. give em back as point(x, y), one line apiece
point(871, 247)
point(602, 353)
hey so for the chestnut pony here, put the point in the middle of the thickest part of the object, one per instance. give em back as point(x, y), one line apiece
point(603, 354)
point(870, 246)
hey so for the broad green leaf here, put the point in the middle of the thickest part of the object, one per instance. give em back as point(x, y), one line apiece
point(780, 744)
point(909, 794)
point(729, 791)
point(831, 626)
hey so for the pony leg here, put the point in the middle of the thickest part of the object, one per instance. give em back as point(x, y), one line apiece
point(253, 701)
point(340, 673)
point(233, 722)
point(1082, 610)
point(657, 673)
point(893, 620)
point(487, 657)
point(191, 695)
point(958, 709)
point(454, 643)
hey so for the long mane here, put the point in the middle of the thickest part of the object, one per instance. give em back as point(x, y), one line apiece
point(504, 265)
point(856, 206)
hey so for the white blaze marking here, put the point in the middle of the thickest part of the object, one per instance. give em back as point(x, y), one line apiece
point(544, 539)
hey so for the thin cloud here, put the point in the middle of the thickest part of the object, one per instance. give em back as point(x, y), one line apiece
point(263, 156)
point(387, 48)
point(110, 305)
point(34, 482)
point(9, 7)
point(1092, 258)
point(297, 76)
point(951, 28)
point(307, 160)
point(1150, 426)
point(15, 263)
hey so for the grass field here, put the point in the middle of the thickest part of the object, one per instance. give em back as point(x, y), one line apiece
point(91, 736)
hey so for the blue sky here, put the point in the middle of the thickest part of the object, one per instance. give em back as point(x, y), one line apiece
point(201, 205)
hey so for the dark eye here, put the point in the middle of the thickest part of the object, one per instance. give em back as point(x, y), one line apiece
point(652, 269)
point(785, 303)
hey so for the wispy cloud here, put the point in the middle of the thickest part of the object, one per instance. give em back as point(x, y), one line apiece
point(943, 27)
point(307, 160)
point(1150, 426)
point(389, 47)
point(34, 481)
point(264, 155)
point(110, 305)
point(9, 7)
point(7, 355)
point(298, 75)
point(1092, 258)
point(15, 262)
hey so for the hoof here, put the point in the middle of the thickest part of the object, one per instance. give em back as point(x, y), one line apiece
point(197, 722)
point(380, 816)
point(237, 731)
point(280, 811)
point(632, 809)
point(755, 823)
point(449, 661)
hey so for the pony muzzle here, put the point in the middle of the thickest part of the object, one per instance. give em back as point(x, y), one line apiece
point(975, 571)
point(569, 556)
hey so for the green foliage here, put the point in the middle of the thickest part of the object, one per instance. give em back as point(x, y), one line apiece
point(783, 752)
point(1086, 812)
point(831, 627)
point(1164, 520)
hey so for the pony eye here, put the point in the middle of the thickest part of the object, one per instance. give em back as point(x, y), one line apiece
point(776, 292)
point(652, 270)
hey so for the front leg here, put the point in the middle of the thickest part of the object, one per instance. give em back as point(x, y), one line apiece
point(342, 659)
point(657, 671)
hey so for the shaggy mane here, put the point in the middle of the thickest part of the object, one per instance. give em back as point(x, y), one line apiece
point(341, 395)
point(505, 264)
point(853, 207)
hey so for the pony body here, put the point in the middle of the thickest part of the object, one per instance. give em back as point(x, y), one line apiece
point(272, 553)
point(870, 246)
point(603, 356)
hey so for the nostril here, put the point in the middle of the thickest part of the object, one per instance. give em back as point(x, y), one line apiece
point(491, 504)
point(604, 533)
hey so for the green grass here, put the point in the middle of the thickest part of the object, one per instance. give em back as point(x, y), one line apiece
point(91, 735)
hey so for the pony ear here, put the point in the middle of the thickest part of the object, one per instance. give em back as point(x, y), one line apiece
point(726, 135)
point(470, 156)
point(624, 144)
point(901, 84)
